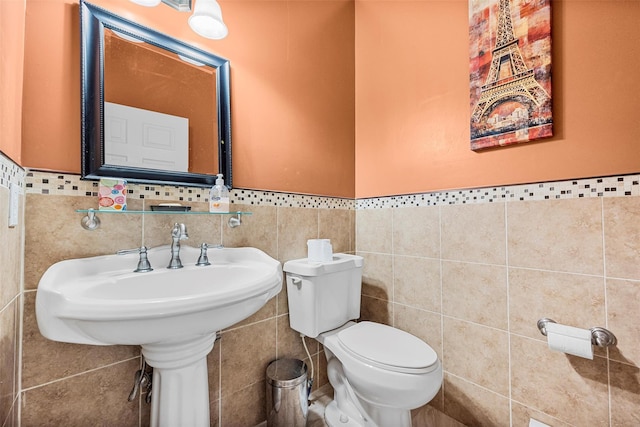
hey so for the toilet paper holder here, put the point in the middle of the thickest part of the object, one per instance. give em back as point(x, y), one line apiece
point(599, 336)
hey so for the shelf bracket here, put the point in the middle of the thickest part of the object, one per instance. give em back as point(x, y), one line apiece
point(90, 221)
point(235, 221)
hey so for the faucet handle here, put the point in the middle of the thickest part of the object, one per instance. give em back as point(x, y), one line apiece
point(143, 263)
point(180, 231)
point(203, 259)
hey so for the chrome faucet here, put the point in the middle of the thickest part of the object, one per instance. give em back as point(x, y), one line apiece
point(179, 232)
point(144, 265)
point(203, 259)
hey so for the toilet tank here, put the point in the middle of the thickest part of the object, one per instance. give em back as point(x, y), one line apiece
point(323, 296)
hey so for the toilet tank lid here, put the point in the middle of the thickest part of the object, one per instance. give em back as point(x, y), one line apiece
point(340, 262)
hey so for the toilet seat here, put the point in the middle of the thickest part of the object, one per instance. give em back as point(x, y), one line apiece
point(388, 348)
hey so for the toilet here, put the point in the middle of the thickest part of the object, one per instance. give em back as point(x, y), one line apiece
point(378, 373)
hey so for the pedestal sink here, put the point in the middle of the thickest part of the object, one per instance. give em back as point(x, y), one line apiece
point(173, 314)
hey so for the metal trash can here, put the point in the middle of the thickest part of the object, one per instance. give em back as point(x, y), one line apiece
point(287, 393)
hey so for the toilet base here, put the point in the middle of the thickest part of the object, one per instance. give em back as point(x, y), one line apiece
point(334, 417)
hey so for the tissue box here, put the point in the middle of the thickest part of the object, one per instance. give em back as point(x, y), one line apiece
point(112, 195)
point(319, 250)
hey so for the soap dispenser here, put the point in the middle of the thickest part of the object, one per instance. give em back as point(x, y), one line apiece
point(219, 196)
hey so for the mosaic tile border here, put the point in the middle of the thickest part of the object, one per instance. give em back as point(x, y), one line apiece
point(615, 186)
point(10, 173)
point(60, 184)
point(266, 198)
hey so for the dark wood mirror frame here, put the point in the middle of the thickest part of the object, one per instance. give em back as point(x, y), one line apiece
point(93, 21)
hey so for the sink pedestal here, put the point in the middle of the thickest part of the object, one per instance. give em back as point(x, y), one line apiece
point(180, 381)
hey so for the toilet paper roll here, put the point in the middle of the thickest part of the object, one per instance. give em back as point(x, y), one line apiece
point(319, 250)
point(568, 339)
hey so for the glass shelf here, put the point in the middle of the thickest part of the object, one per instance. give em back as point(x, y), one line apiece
point(95, 211)
point(91, 221)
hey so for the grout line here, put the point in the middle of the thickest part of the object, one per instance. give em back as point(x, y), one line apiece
point(606, 307)
point(57, 380)
point(266, 319)
point(11, 301)
point(510, 267)
point(440, 233)
point(475, 384)
point(393, 270)
point(277, 341)
point(278, 214)
point(506, 272)
point(19, 336)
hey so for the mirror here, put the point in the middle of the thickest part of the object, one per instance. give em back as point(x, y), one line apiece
point(154, 109)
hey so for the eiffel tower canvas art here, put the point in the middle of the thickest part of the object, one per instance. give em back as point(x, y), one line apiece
point(510, 71)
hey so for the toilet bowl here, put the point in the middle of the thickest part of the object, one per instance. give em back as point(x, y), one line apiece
point(389, 372)
point(378, 373)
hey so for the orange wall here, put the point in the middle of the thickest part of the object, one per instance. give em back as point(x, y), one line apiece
point(292, 94)
point(300, 102)
point(412, 98)
point(11, 67)
point(51, 103)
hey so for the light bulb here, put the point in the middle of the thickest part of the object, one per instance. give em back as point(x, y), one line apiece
point(207, 21)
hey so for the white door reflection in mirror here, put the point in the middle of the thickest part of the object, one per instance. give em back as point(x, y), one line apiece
point(134, 137)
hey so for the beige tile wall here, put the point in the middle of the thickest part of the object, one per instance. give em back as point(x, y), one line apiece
point(472, 280)
point(79, 385)
point(11, 239)
point(469, 279)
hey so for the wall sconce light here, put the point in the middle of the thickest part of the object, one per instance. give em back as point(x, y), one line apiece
point(206, 20)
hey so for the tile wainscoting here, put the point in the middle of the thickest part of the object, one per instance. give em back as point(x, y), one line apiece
point(10, 279)
point(469, 271)
point(77, 385)
point(472, 271)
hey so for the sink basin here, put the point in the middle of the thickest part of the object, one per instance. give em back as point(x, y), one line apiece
point(173, 314)
point(101, 301)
